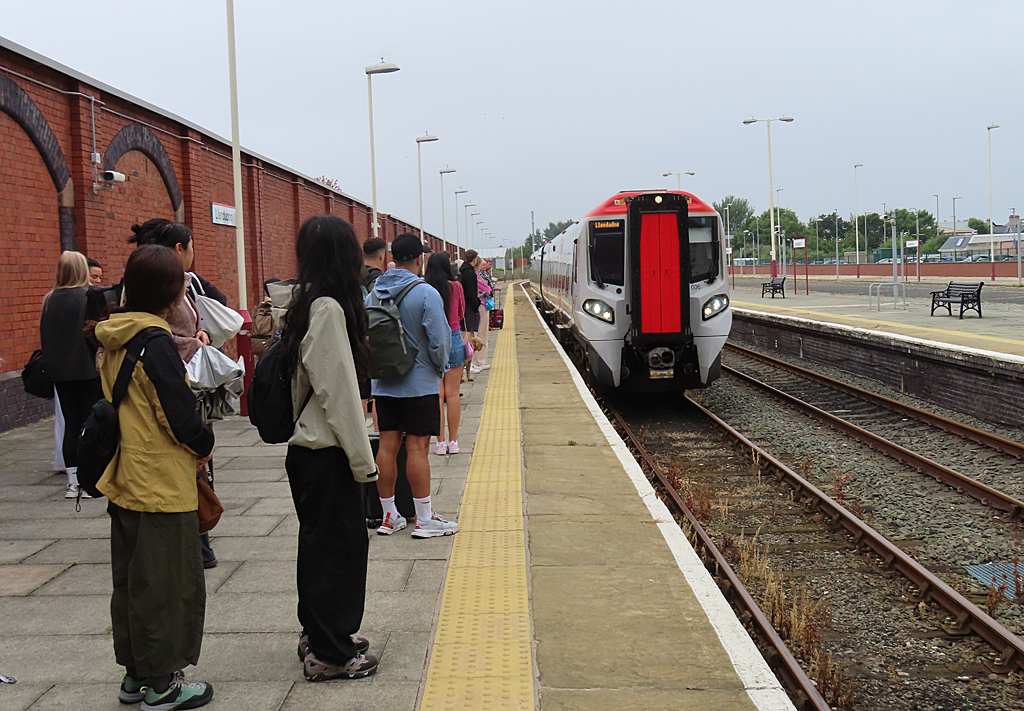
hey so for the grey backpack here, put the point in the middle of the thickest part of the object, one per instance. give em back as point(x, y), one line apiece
point(391, 356)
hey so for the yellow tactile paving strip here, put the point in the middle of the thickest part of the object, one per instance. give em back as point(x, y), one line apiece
point(482, 658)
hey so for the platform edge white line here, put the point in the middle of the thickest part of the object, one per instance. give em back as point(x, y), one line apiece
point(761, 685)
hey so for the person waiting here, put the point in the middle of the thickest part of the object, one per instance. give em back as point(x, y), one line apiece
point(441, 276)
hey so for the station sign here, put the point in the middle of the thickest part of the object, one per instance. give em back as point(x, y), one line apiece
point(728, 250)
point(222, 214)
point(913, 243)
point(799, 243)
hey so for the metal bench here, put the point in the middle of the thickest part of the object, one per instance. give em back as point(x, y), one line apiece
point(776, 286)
point(968, 295)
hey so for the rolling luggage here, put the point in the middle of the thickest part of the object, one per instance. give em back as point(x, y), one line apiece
point(403, 492)
point(497, 317)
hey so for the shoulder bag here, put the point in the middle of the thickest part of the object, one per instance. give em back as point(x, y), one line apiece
point(221, 322)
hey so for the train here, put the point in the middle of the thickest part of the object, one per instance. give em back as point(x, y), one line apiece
point(636, 292)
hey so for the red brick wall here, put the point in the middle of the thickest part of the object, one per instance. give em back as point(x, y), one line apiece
point(276, 201)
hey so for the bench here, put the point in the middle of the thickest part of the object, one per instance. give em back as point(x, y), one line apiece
point(968, 295)
point(776, 286)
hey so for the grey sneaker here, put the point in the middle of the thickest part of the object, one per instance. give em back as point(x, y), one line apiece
point(391, 524)
point(435, 526)
point(358, 667)
point(362, 644)
point(180, 694)
point(132, 690)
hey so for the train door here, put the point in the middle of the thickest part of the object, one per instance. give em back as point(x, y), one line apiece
point(659, 261)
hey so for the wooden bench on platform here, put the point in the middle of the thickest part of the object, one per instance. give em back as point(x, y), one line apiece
point(968, 295)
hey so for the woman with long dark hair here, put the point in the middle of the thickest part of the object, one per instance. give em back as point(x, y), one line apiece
point(439, 274)
point(158, 604)
point(329, 455)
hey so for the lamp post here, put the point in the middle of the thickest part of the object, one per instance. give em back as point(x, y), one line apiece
point(442, 172)
point(679, 179)
point(457, 193)
point(856, 218)
point(420, 140)
point(771, 190)
point(955, 198)
point(379, 68)
point(777, 225)
point(837, 243)
point(757, 244)
point(467, 206)
point(817, 238)
point(471, 236)
point(991, 215)
point(936, 196)
point(729, 239)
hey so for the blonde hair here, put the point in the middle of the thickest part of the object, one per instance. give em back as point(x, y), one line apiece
point(72, 271)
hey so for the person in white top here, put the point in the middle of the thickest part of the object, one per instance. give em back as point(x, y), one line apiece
point(329, 455)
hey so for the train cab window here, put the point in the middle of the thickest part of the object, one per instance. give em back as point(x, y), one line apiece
point(703, 249)
point(607, 250)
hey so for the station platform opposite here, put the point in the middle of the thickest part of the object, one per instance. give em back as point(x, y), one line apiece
point(569, 585)
point(847, 303)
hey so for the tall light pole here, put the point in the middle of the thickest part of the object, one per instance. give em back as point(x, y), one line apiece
point(817, 237)
point(444, 170)
point(837, 243)
point(457, 193)
point(991, 214)
point(856, 218)
point(955, 198)
point(467, 206)
point(379, 68)
point(771, 188)
point(679, 179)
point(936, 196)
point(420, 140)
point(778, 226)
point(471, 236)
point(236, 165)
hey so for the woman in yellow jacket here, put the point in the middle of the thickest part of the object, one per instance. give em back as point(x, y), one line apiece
point(159, 598)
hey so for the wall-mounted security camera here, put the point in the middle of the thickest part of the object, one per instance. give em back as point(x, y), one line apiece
point(112, 176)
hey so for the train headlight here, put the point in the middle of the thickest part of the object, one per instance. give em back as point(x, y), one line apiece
point(714, 306)
point(599, 309)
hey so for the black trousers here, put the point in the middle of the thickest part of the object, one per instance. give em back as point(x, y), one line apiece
point(76, 400)
point(158, 605)
point(333, 549)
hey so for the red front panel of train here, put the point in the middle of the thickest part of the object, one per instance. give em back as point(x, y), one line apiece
point(660, 294)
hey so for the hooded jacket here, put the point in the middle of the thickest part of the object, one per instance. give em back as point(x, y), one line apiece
point(467, 277)
point(426, 328)
point(154, 469)
point(66, 353)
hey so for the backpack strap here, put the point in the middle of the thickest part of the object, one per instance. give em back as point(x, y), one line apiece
point(405, 290)
point(133, 352)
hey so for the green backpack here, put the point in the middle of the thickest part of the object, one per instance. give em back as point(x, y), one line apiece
point(391, 356)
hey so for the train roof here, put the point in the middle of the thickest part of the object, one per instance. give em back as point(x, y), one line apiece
point(616, 205)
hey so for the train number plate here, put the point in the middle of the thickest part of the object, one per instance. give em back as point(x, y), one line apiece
point(662, 374)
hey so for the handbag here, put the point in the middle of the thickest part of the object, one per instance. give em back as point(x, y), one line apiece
point(210, 507)
point(489, 304)
point(221, 322)
point(35, 378)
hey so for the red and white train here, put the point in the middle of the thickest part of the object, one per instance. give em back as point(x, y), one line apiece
point(636, 291)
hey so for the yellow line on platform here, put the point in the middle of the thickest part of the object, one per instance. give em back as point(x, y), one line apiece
point(960, 334)
point(481, 658)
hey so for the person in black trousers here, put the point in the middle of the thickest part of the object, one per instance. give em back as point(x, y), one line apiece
point(329, 455)
point(70, 361)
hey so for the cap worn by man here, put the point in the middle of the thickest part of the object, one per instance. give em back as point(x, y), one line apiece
point(407, 247)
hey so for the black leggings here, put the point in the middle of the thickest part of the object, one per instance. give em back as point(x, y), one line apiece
point(76, 400)
point(333, 549)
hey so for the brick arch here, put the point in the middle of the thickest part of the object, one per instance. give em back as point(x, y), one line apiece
point(136, 137)
point(19, 106)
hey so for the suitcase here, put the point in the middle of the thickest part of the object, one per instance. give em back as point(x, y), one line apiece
point(497, 318)
point(403, 492)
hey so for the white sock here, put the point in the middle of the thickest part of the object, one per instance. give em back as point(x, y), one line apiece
point(388, 505)
point(424, 512)
point(72, 475)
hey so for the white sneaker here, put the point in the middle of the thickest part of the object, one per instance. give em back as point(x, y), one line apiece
point(485, 366)
point(391, 525)
point(441, 448)
point(453, 447)
point(475, 369)
point(73, 490)
point(435, 526)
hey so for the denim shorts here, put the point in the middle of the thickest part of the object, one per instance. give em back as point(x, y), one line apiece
point(457, 355)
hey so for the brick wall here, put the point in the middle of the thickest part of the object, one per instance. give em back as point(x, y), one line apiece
point(989, 388)
point(175, 170)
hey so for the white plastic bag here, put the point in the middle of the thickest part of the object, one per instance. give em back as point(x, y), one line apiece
point(221, 322)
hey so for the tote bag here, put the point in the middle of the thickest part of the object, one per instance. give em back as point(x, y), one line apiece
point(221, 322)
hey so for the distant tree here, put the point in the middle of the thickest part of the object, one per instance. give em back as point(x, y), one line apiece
point(980, 225)
point(555, 228)
point(740, 211)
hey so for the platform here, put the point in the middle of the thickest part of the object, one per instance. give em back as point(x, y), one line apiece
point(846, 303)
point(568, 586)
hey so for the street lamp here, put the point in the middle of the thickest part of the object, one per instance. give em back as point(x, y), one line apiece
point(856, 218)
point(778, 226)
point(379, 68)
point(837, 243)
point(991, 220)
point(442, 172)
point(471, 236)
point(467, 206)
point(955, 198)
point(420, 140)
point(457, 193)
point(771, 190)
point(679, 179)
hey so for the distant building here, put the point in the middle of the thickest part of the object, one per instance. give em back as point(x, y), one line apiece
point(967, 240)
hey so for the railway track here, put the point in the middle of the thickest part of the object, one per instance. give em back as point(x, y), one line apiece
point(833, 542)
point(862, 414)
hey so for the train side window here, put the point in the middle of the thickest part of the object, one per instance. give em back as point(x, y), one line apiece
point(607, 251)
point(703, 249)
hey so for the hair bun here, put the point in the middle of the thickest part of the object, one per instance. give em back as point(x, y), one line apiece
point(136, 229)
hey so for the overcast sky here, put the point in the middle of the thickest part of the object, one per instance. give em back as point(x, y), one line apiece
point(554, 105)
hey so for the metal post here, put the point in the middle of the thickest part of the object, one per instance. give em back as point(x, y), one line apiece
point(991, 214)
point(856, 217)
point(373, 161)
point(837, 244)
point(419, 172)
point(771, 197)
point(917, 214)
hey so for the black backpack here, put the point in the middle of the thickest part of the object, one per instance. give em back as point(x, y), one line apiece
point(270, 398)
point(101, 434)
